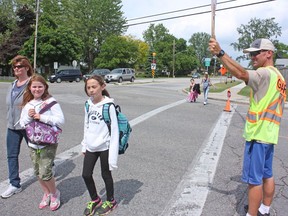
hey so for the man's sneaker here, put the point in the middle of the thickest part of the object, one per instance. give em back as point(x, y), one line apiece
point(106, 207)
point(55, 201)
point(11, 190)
point(258, 214)
point(45, 201)
point(92, 206)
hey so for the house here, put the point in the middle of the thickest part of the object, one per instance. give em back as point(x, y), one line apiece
point(281, 63)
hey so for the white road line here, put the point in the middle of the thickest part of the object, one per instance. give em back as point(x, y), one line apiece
point(191, 193)
point(154, 112)
point(75, 152)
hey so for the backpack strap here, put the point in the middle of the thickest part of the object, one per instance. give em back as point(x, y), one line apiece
point(87, 106)
point(48, 106)
point(106, 115)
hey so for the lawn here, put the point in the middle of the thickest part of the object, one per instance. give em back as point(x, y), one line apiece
point(220, 87)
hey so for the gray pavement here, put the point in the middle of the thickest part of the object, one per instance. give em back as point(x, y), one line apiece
point(227, 192)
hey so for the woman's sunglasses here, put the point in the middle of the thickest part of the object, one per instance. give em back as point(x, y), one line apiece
point(18, 66)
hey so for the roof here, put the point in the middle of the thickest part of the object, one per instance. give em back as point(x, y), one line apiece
point(281, 63)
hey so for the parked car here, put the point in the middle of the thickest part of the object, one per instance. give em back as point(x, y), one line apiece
point(196, 76)
point(101, 72)
point(120, 74)
point(66, 75)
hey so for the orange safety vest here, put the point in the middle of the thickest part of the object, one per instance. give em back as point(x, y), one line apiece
point(263, 118)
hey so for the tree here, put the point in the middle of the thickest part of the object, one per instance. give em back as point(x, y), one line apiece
point(161, 42)
point(11, 45)
point(199, 42)
point(55, 44)
point(256, 28)
point(143, 52)
point(94, 21)
point(117, 51)
point(155, 34)
point(282, 50)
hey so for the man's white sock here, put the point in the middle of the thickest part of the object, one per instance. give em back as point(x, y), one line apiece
point(264, 209)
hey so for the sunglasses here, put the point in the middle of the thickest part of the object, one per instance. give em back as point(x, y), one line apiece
point(253, 54)
point(18, 66)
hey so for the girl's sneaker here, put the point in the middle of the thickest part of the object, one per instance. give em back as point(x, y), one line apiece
point(106, 207)
point(92, 206)
point(55, 201)
point(45, 201)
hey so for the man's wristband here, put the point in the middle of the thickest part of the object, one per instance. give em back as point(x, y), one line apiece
point(220, 54)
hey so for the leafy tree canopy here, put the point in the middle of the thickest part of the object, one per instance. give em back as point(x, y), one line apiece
point(94, 21)
point(19, 35)
point(256, 28)
point(199, 42)
point(55, 44)
point(117, 51)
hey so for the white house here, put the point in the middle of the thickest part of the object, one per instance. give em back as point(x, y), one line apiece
point(281, 63)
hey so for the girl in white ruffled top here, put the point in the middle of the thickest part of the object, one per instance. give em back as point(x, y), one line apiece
point(35, 98)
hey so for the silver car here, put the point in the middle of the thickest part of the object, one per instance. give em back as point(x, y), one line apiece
point(120, 74)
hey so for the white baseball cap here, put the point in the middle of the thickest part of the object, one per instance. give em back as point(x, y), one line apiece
point(260, 44)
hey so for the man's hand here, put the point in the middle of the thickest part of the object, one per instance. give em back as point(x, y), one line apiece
point(214, 46)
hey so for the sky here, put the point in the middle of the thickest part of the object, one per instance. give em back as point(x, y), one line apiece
point(226, 21)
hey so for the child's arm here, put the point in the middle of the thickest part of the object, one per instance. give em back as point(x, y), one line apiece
point(24, 117)
point(86, 124)
point(114, 139)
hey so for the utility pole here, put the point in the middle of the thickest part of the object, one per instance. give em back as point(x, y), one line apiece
point(35, 38)
point(173, 59)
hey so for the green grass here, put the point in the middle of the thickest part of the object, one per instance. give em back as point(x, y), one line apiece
point(6, 80)
point(220, 87)
point(245, 91)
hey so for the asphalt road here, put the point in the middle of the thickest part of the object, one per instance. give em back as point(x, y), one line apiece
point(184, 158)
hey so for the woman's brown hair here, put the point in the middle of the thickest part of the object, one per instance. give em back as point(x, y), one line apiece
point(24, 61)
point(28, 96)
point(101, 82)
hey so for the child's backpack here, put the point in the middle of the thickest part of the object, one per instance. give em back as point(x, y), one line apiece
point(123, 124)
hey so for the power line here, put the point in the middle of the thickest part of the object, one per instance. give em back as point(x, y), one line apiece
point(176, 11)
point(199, 13)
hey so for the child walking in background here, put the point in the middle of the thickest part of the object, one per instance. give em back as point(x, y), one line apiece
point(98, 143)
point(206, 86)
point(35, 98)
point(194, 91)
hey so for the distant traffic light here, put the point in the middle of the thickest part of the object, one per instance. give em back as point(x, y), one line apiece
point(154, 57)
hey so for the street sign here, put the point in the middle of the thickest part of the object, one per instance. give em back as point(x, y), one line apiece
point(153, 66)
point(55, 65)
point(207, 62)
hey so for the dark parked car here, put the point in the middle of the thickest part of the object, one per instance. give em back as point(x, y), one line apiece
point(66, 75)
point(101, 72)
point(120, 74)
